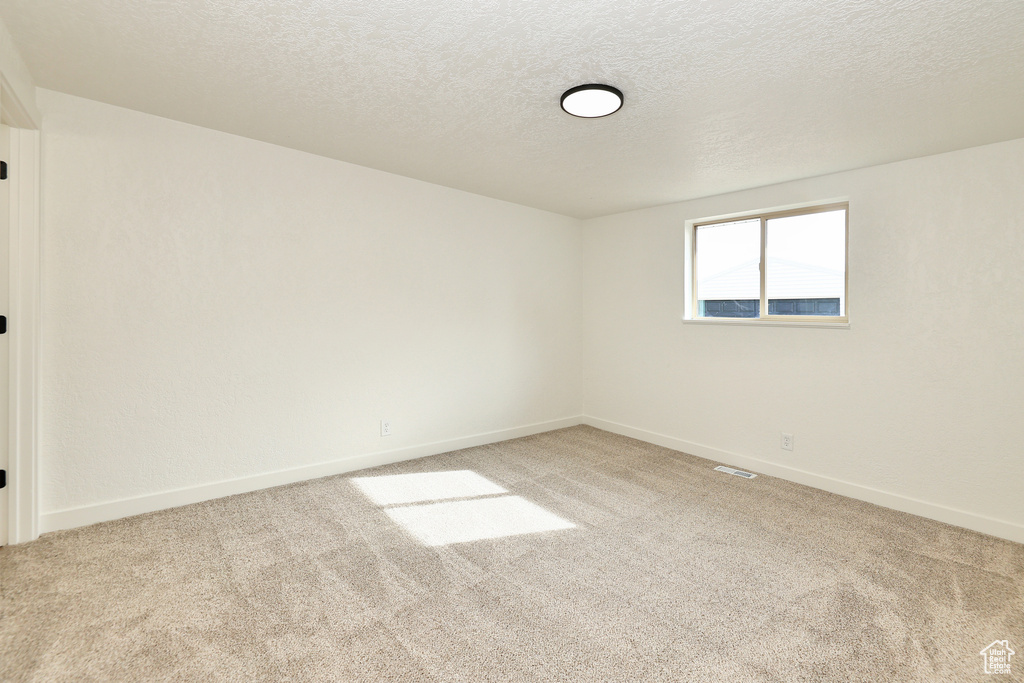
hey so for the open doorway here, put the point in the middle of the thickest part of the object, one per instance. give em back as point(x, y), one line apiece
point(19, 304)
point(5, 216)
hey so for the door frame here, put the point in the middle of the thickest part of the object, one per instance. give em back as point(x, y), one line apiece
point(23, 319)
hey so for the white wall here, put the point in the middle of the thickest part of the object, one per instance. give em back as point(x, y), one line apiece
point(918, 405)
point(15, 73)
point(217, 308)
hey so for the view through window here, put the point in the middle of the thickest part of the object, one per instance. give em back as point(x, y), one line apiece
point(783, 265)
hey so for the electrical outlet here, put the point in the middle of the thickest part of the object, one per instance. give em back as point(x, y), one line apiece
point(787, 441)
point(385, 427)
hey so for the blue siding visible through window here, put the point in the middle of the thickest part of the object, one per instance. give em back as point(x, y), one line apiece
point(731, 308)
point(751, 308)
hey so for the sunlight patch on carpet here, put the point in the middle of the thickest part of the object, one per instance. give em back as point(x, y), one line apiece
point(398, 489)
point(474, 520)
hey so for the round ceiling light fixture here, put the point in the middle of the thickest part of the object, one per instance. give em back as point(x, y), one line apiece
point(592, 101)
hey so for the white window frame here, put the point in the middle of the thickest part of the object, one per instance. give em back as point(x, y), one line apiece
point(690, 307)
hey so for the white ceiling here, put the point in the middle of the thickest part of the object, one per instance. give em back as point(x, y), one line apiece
point(720, 94)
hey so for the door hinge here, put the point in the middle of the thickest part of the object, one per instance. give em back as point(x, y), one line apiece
point(3, 478)
point(3, 170)
point(3, 324)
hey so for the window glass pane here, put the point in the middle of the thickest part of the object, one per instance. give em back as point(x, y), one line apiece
point(728, 269)
point(806, 264)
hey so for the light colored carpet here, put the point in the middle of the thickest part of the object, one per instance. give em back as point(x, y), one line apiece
point(653, 567)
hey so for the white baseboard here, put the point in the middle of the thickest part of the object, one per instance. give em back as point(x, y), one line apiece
point(968, 520)
point(128, 507)
point(103, 512)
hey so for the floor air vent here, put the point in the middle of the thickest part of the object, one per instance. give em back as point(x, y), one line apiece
point(738, 473)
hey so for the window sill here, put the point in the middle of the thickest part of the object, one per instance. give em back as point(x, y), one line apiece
point(755, 322)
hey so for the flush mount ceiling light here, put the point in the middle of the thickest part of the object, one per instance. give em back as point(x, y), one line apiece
point(592, 101)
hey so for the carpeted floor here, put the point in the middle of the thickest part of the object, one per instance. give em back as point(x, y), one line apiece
point(628, 562)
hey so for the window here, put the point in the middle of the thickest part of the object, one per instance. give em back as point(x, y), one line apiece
point(786, 266)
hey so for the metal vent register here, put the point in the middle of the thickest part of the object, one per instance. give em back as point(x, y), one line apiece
point(738, 473)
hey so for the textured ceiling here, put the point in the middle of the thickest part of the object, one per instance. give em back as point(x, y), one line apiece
point(720, 94)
